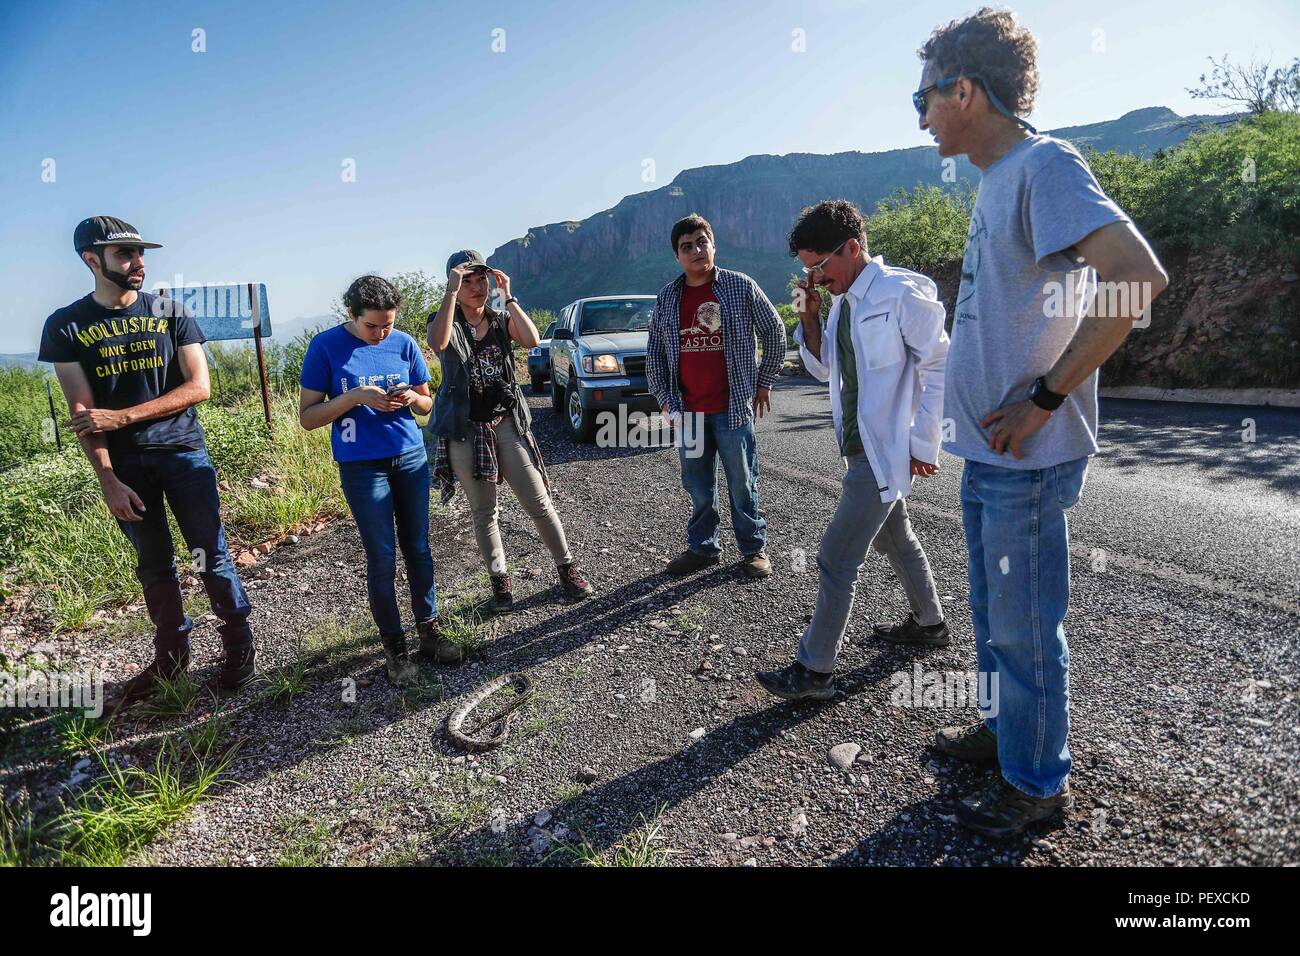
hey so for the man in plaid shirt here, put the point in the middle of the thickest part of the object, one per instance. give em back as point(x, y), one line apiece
point(702, 368)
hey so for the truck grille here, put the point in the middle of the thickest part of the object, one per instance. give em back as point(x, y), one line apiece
point(634, 364)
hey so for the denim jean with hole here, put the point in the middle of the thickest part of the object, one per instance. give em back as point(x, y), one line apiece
point(1018, 547)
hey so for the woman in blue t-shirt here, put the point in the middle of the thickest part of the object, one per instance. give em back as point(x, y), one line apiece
point(367, 378)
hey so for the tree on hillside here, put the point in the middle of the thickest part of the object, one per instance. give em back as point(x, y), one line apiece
point(1259, 87)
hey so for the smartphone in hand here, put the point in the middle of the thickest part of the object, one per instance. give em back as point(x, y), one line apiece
point(397, 389)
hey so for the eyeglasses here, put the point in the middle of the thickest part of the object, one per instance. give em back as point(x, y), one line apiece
point(919, 97)
point(922, 106)
point(699, 244)
point(809, 270)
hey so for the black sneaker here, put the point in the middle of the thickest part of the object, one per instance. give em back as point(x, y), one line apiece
point(797, 682)
point(397, 663)
point(503, 596)
point(909, 632)
point(238, 665)
point(975, 744)
point(166, 666)
point(1001, 810)
point(576, 587)
point(436, 646)
point(690, 561)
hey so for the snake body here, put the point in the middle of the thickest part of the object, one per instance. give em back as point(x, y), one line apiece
point(523, 685)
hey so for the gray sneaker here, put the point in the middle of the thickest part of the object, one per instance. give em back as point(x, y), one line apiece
point(1001, 810)
point(797, 682)
point(975, 744)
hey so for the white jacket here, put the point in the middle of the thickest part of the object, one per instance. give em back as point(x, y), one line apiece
point(901, 347)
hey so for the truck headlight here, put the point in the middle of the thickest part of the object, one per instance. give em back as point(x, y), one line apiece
point(600, 364)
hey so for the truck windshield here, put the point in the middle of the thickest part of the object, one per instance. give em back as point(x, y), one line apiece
point(616, 315)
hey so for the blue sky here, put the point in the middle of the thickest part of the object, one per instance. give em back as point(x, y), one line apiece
point(233, 157)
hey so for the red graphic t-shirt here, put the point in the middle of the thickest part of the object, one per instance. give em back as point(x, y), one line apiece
point(704, 364)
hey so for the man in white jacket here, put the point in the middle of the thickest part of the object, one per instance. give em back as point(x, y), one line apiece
point(883, 353)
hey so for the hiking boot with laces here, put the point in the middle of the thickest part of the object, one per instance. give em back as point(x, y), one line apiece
point(436, 646)
point(503, 596)
point(797, 682)
point(976, 743)
point(909, 632)
point(576, 587)
point(756, 565)
point(397, 663)
point(166, 666)
point(1002, 810)
point(238, 664)
point(689, 561)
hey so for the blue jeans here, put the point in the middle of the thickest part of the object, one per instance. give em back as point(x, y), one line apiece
point(189, 483)
point(1017, 539)
point(738, 450)
point(386, 494)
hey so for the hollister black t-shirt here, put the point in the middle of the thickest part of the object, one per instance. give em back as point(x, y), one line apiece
point(130, 356)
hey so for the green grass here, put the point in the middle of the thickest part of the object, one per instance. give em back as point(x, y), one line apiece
point(641, 847)
point(173, 698)
point(63, 545)
point(205, 738)
point(282, 685)
point(21, 835)
point(464, 807)
point(691, 618)
point(78, 734)
point(308, 842)
point(127, 808)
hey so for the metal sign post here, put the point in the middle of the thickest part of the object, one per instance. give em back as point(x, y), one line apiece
point(256, 301)
point(54, 418)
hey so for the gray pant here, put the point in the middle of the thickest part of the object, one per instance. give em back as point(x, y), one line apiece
point(522, 476)
point(862, 521)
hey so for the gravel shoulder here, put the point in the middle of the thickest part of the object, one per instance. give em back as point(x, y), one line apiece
point(1184, 720)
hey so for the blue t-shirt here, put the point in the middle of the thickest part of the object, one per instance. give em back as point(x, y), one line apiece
point(336, 361)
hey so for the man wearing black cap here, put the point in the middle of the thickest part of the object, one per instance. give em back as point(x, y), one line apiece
point(132, 368)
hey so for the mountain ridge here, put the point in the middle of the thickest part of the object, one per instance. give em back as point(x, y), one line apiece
point(752, 203)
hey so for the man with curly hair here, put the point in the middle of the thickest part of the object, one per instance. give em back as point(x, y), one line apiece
point(883, 352)
point(1029, 333)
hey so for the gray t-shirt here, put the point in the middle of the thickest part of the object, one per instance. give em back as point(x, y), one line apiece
point(1023, 291)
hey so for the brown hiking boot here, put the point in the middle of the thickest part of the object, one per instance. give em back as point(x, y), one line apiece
point(503, 596)
point(397, 663)
point(436, 646)
point(975, 744)
point(576, 587)
point(690, 561)
point(1002, 810)
point(756, 565)
point(165, 666)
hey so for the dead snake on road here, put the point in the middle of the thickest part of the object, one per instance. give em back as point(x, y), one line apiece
point(523, 686)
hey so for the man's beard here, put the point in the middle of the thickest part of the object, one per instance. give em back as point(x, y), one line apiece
point(120, 279)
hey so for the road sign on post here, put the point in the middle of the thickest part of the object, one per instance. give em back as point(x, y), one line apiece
point(235, 311)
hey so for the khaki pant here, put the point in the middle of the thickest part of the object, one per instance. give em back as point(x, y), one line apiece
point(525, 480)
point(863, 521)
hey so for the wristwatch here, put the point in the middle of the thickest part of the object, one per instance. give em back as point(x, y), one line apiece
point(511, 299)
point(1044, 397)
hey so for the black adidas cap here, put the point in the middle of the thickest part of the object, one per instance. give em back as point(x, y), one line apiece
point(108, 231)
